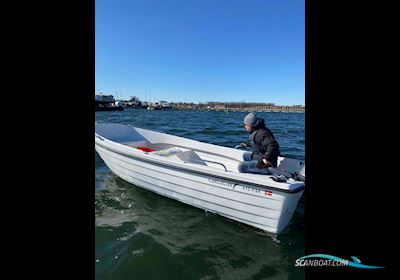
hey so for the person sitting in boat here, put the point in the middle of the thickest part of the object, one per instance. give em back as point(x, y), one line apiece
point(265, 148)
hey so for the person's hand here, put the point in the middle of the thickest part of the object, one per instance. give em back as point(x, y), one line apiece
point(241, 145)
point(263, 164)
point(267, 163)
point(260, 164)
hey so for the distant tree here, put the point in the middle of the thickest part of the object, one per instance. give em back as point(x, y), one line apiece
point(134, 99)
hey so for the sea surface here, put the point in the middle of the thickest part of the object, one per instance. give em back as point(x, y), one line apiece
point(142, 235)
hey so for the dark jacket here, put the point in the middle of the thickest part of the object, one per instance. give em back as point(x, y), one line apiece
point(263, 143)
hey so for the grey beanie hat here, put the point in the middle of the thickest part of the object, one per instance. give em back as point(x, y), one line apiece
point(250, 119)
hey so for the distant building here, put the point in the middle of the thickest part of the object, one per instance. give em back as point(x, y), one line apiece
point(165, 105)
point(104, 98)
point(105, 102)
point(219, 107)
point(134, 102)
point(120, 103)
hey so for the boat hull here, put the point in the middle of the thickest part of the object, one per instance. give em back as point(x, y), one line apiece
point(260, 207)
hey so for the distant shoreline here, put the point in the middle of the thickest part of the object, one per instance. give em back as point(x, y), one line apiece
point(225, 110)
point(243, 110)
point(107, 100)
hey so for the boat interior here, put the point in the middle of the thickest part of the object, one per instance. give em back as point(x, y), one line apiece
point(191, 151)
point(207, 158)
point(185, 154)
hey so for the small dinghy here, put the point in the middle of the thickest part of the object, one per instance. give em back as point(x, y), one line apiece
point(202, 175)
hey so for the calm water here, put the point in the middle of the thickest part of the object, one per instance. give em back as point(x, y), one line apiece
point(141, 235)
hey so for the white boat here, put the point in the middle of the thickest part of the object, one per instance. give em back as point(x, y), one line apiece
point(202, 175)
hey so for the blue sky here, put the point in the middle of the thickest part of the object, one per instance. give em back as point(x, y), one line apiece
point(201, 50)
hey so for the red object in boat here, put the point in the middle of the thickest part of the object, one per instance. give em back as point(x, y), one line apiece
point(145, 149)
